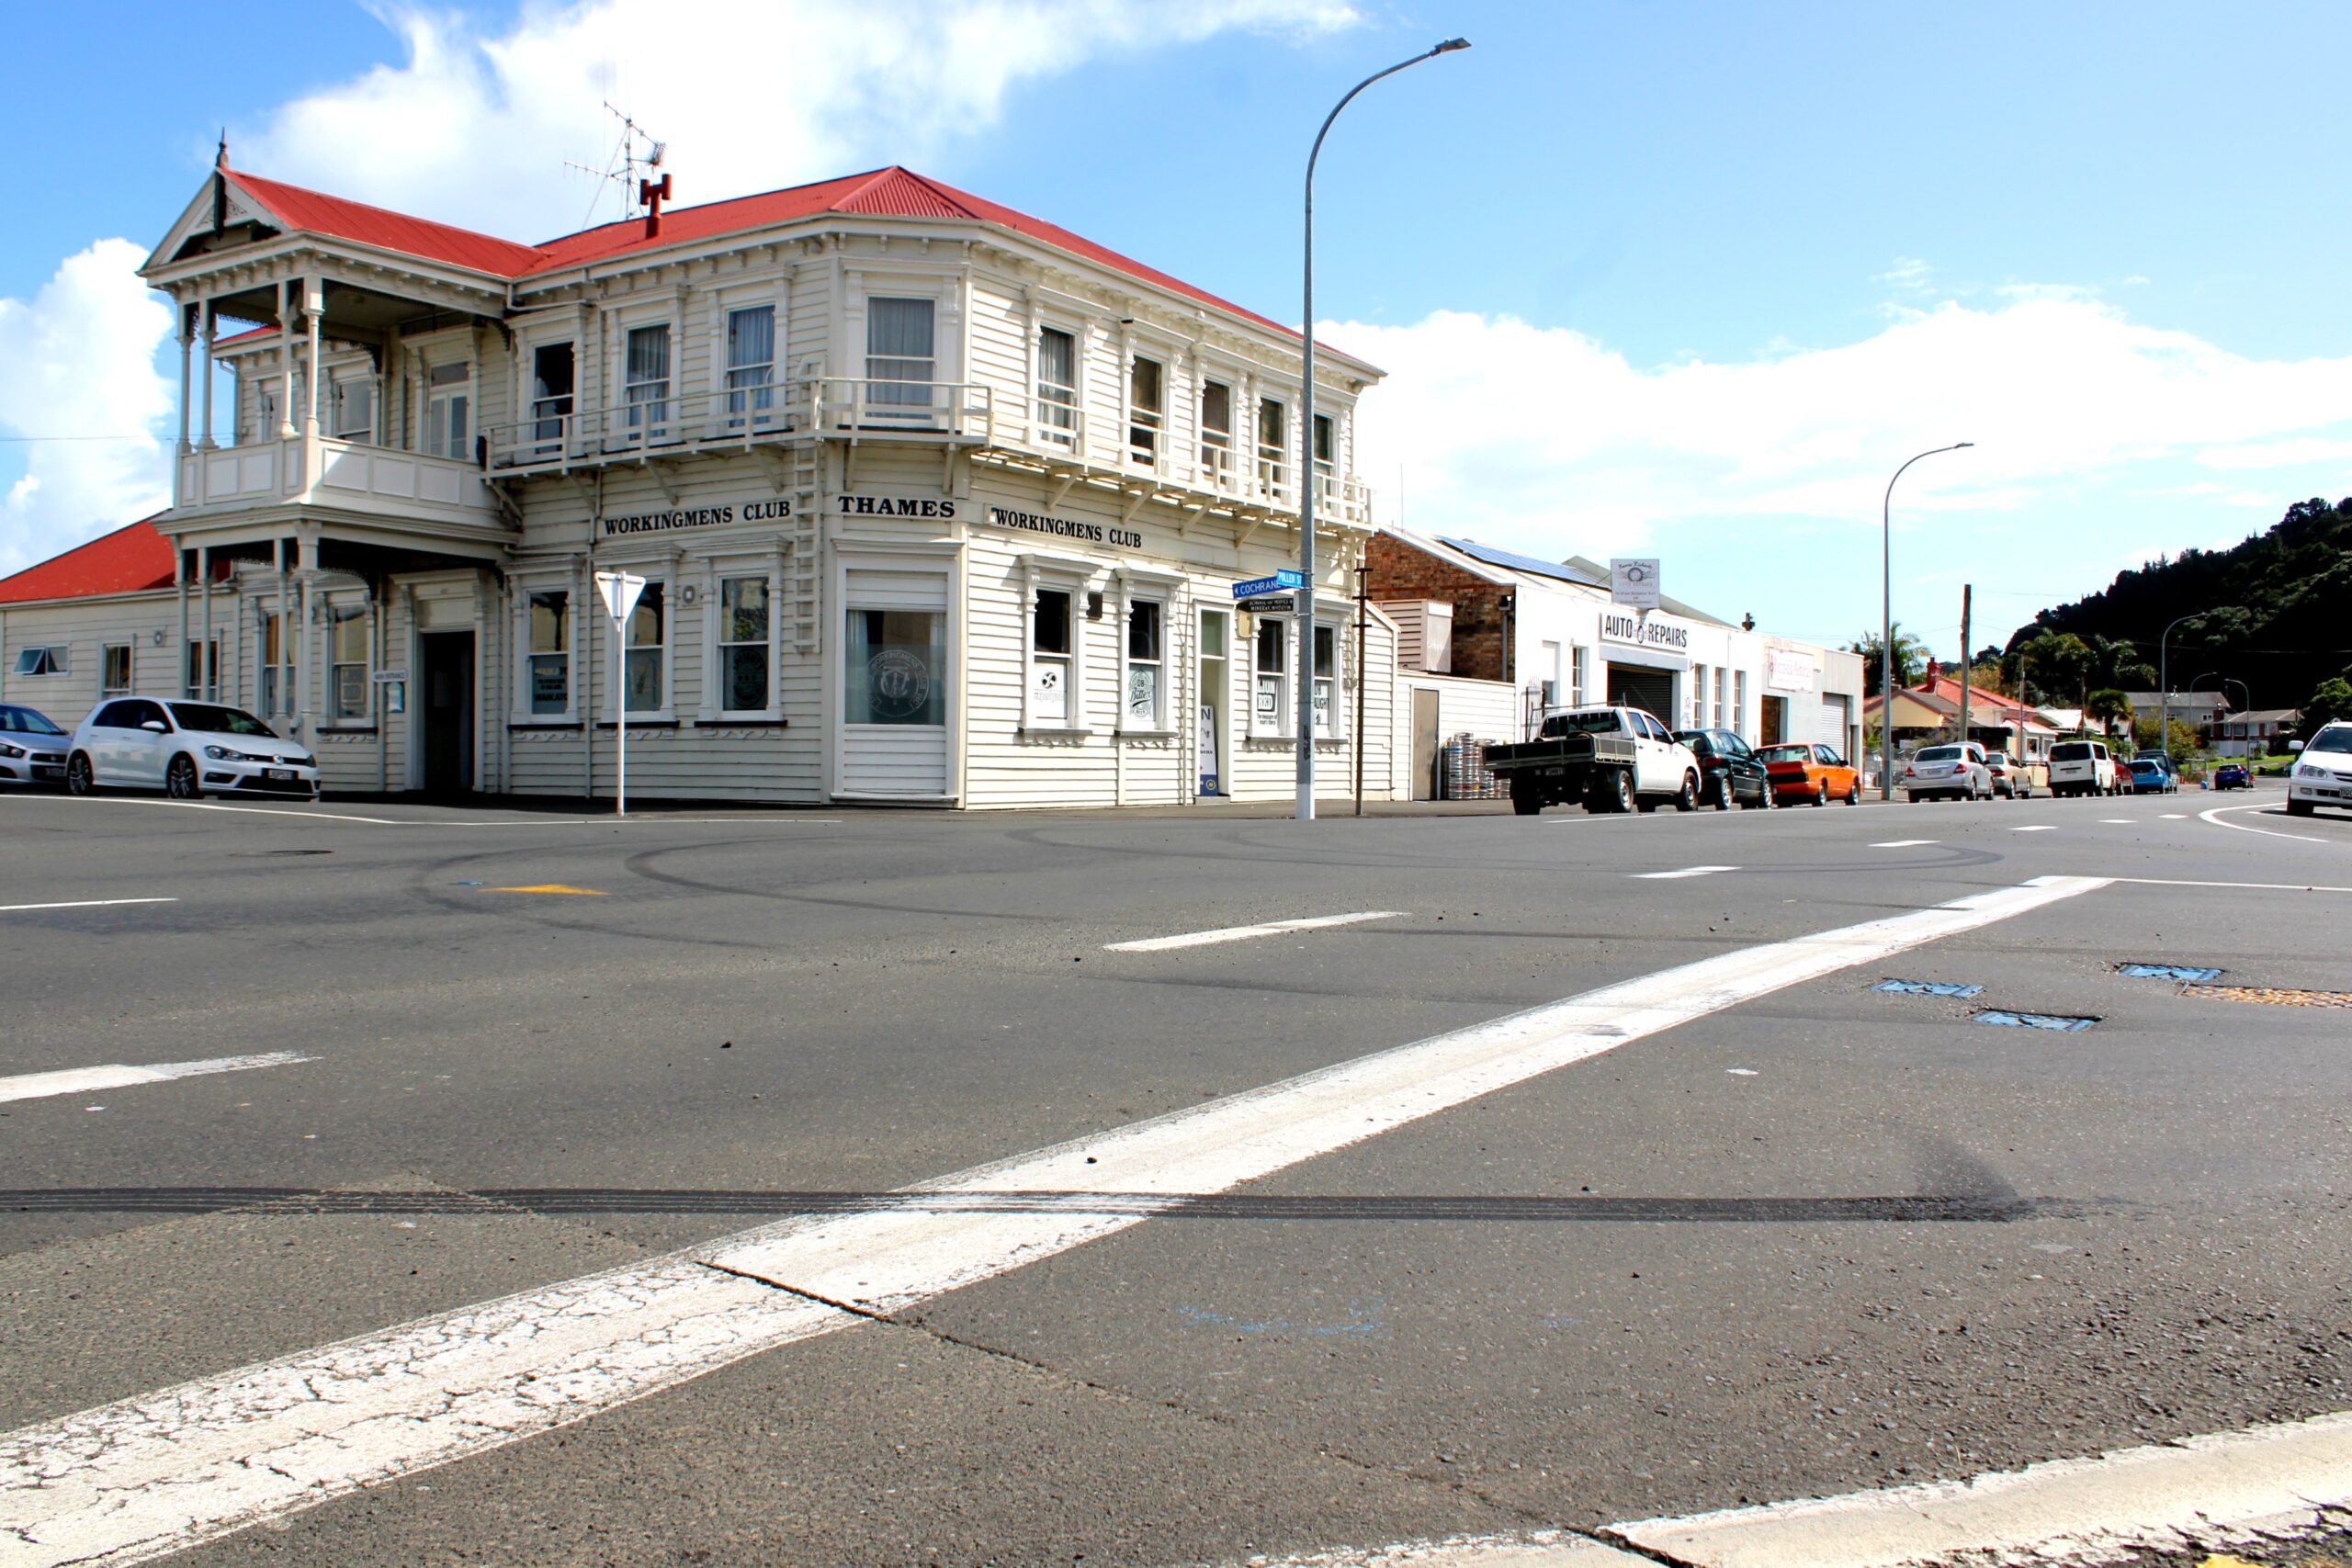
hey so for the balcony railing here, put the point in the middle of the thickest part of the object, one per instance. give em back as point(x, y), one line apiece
point(741, 417)
point(325, 471)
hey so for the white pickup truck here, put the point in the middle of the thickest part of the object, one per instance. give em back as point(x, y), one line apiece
point(1609, 758)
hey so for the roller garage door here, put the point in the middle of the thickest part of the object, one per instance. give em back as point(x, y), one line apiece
point(1631, 686)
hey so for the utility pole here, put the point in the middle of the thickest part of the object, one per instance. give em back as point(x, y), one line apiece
point(1363, 602)
point(1967, 593)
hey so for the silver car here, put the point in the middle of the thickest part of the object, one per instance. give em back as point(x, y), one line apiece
point(1956, 770)
point(188, 750)
point(32, 749)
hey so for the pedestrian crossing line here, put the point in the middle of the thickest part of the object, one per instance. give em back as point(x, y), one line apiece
point(1677, 875)
point(161, 1471)
point(92, 1080)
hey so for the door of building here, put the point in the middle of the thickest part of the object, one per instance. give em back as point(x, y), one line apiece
point(1217, 684)
point(1775, 724)
point(1635, 686)
point(1425, 746)
point(446, 687)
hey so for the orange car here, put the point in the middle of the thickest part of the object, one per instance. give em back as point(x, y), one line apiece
point(1801, 773)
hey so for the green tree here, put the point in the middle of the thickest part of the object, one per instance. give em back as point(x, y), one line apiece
point(1910, 659)
point(2182, 737)
point(2108, 706)
point(2059, 662)
point(2330, 701)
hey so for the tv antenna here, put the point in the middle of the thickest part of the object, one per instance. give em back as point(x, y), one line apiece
point(639, 149)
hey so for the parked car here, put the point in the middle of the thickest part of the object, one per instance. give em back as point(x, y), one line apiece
point(2233, 775)
point(2150, 775)
point(2321, 774)
point(32, 749)
point(1611, 759)
point(2008, 776)
point(188, 750)
point(2082, 767)
point(1802, 771)
point(1956, 770)
point(1729, 770)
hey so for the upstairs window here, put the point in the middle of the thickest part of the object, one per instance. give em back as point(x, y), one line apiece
point(1049, 657)
point(751, 365)
point(351, 409)
point(547, 670)
point(52, 661)
point(1057, 385)
point(448, 428)
point(551, 386)
point(1147, 414)
point(901, 363)
point(1216, 431)
point(1324, 469)
point(647, 379)
point(1273, 443)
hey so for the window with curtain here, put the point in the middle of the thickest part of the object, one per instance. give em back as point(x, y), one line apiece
point(751, 365)
point(642, 649)
point(1273, 443)
point(901, 363)
point(550, 662)
point(1216, 431)
point(1147, 414)
point(1049, 657)
point(447, 390)
point(646, 380)
point(1327, 677)
point(1057, 385)
point(1144, 620)
point(1270, 701)
point(893, 667)
point(743, 644)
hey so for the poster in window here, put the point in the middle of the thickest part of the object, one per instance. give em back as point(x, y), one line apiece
point(1049, 693)
point(1270, 701)
point(1143, 694)
point(1322, 707)
point(550, 683)
point(1207, 749)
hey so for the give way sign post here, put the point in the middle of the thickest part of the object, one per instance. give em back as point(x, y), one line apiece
point(620, 591)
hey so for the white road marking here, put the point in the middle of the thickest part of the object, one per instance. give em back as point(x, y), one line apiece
point(253, 810)
point(1243, 933)
point(2214, 817)
point(2175, 816)
point(81, 904)
point(90, 1080)
point(1686, 871)
point(2203, 1492)
point(161, 1471)
point(2036, 828)
point(2264, 886)
point(1903, 843)
point(2122, 821)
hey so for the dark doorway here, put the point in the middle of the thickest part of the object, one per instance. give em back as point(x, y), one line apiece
point(1635, 686)
point(1425, 744)
point(446, 687)
point(1775, 721)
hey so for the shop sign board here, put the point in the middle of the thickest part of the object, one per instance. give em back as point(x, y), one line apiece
point(1644, 631)
point(1786, 670)
point(1632, 582)
point(1286, 578)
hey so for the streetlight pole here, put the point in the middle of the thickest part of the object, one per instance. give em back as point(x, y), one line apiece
point(2163, 686)
point(1886, 628)
point(2227, 682)
point(1304, 659)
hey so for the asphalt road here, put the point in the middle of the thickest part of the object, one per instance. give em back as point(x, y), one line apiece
point(1811, 1238)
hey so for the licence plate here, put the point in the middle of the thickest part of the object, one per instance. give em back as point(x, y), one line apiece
point(278, 775)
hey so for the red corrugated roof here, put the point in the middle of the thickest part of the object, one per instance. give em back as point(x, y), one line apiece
point(128, 560)
point(892, 192)
point(355, 221)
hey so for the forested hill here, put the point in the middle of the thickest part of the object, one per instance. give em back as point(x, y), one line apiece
point(2275, 612)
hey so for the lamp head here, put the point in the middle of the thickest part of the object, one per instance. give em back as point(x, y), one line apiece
point(1963, 444)
point(1450, 45)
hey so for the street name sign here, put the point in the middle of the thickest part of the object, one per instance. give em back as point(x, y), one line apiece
point(1286, 578)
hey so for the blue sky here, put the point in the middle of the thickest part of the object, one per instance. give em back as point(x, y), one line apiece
point(1682, 280)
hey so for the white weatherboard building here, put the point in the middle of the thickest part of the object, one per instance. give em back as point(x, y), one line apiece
point(936, 503)
point(1489, 640)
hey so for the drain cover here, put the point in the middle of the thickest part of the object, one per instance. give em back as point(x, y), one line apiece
point(1927, 987)
point(2059, 1021)
point(2271, 994)
point(2167, 972)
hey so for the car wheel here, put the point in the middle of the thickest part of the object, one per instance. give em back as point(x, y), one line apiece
point(1722, 802)
point(1854, 793)
point(1686, 797)
point(79, 779)
point(2300, 808)
point(1613, 793)
point(1821, 792)
point(180, 781)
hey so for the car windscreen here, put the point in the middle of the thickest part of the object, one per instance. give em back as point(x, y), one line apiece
point(214, 720)
point(2331, 739)
point(2142, 765)
point(1940, 754)
point(25, 721)
point(1600, 722)
point(2072, 751)
point(1787, 753)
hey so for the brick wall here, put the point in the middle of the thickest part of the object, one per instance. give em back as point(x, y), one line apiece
point(1482, 610)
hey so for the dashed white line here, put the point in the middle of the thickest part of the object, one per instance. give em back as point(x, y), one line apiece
point(165, 1470)
point(2174, 817)
point(90, 1080)
point(1243, 933)
point(2120, 821)
point(81, 904)
point(1904, 843)
point(2036, 828)
point(1686, 871)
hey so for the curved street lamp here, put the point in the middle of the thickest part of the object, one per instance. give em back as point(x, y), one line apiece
point(2163, 684)
point(1886, 628)
point(1304, 659)
point(2227, 682)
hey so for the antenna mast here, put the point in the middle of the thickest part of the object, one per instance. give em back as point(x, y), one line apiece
point(639, 148)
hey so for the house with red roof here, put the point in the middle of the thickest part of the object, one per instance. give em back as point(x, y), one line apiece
point(911, 497)
point(1930, 711)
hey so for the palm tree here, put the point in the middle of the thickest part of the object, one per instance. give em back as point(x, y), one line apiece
point(1910, 659)
point(2106, 708)
point(2060, 661)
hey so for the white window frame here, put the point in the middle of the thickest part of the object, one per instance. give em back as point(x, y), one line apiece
point(1739, 704)
point(1722, 680)
point(43, 659)
point(1151, 423)
point(542, 411)
point(1285, 720)
point(1219, 463)
point(1334, 723)
point(438, 395)
point(664, 578)
point(1272, 469)
point(338, 614)
point(273, 679)
point(525, 593)
point(341, 384)
point(1142, 586)
point(1579, 673)
point(1041, 573)
point(107, 687)
point(1695, 700)
point(905, 404)
point(754, 402)
point(1051, 429)
point(1327, 468)
point(715, 643)
point(210, 690)
point(647, 420)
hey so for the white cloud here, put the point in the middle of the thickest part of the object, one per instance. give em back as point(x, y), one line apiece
point(1907, 273)
point(1544, 440)
point(475, 128)
point(80, 360)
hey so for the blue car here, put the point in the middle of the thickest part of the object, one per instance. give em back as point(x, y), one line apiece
point(2150, 776)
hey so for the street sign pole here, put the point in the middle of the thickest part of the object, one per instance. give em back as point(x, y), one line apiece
point(620, 591)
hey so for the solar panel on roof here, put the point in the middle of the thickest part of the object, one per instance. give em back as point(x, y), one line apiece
point(1518, 562)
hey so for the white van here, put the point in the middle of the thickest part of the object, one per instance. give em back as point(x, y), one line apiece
point(2082, 767)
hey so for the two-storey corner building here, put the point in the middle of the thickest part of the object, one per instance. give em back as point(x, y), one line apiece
point(934, 501)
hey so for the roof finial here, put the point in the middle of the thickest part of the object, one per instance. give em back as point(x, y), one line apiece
point(221, 159)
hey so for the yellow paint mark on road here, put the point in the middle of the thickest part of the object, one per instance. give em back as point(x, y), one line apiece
point(551, 888)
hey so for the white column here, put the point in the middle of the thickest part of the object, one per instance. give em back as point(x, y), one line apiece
point(179, 583)
point(307, 556)
point(313, 304)
point(204, 442)
point(286, 308)
point(188, 341)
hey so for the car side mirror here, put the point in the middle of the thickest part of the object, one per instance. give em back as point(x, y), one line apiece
point(156, 726)
point(2294, 745)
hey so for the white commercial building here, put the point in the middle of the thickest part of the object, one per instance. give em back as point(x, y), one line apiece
point(935, 503)
point(1489, 640)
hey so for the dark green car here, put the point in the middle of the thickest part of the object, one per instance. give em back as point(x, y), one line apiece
point(1729, 770)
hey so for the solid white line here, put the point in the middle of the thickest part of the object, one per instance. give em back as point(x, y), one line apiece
point(81, 904)
point(2265, 886)
point(89, 1081)
point(258, 811)
point(1686, 871)
point(165, 1470)
point(1243, 933)
point(1903, 843)
point(2214, 817)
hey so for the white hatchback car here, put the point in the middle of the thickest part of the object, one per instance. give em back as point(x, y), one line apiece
point(188, 750)
point(2322, 773)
